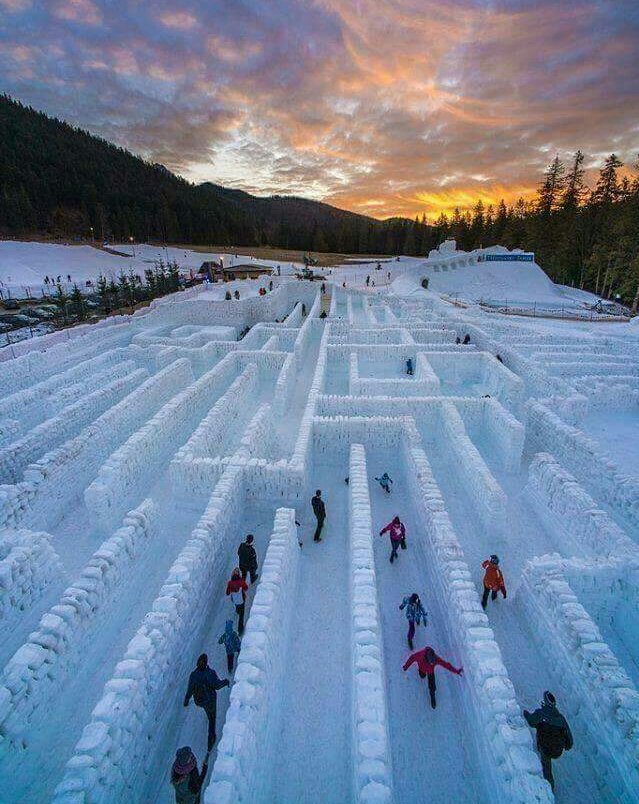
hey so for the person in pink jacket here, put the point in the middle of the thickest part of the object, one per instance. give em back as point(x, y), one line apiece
point(397, 533)
point(427, 660)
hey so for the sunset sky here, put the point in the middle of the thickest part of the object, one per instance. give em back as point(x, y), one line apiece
point(383, 107)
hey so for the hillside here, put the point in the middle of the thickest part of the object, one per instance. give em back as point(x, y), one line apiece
point(60, 181)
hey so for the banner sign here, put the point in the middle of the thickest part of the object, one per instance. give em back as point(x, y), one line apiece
point(507, 258)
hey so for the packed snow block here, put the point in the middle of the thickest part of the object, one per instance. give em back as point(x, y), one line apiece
point(304, 335)
point(513, 763)
point(131, 712)
point(580, 455)
point(504, 432)
point(349, 310)
point(52, 432)
point(9, 430)
point(256, 437)
point(195, 477)
point(58, 477)
point(372, 780)
point(70, 394)
point(212, 434)
point(28, 565)
point(295, 317)
point(486, 494)
point(63, 631)
point(29, 406)
point(300, 459)
point(619, 392)
point(335, 435)
point(561, 501)
point(245, 756)
point(59, 351)
point(597, 691)
point(138, 462)
point(285, 385)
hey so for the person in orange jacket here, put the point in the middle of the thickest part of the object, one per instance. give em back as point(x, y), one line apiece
point(493, 580)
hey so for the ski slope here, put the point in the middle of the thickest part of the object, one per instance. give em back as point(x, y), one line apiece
point(138, 453)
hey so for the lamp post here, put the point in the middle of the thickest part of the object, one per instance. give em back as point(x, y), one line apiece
point(133, 244)
point(91, 230)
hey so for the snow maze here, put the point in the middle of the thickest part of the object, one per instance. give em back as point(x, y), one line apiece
point(135, 455)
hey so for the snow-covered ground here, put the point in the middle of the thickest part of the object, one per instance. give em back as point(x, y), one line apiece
point(136, 454)
point(24, 265)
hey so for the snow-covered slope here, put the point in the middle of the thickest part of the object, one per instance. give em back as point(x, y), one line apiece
point(25, 264)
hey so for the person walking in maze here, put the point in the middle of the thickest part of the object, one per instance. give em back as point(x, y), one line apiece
point(409, 367)
point(466, 340)
point(248, 558)
point(493, 580)
point(236, 589)
point(237, 294)
point(232, 642)
point(204, 683)
point(397, 533)
point(427, 660)
point(368, 281)
point(415, 614)
point(185, 777)
point(319, 509)
point(385, 482)
point(553, 734)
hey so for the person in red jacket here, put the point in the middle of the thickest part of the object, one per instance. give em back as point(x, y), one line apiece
point(427, 660)
point(236, 588)
point(493, 580)
point(397, 533)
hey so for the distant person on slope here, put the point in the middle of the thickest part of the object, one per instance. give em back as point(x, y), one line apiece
point(385, 482)
point(427, 660)
point(319, 509)
point(232, 642)
point(415, 614)
point(237, 294)
point(397, 533)
point(466, 340)
point(368, 281)
point(409, 367)
point(228, 296)
point(553, 734)
point(203, 686)
point(185, 777)
point(493, 580)
point(236, 589)
point(248, 558)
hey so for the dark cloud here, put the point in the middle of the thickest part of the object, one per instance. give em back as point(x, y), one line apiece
point(387, 108)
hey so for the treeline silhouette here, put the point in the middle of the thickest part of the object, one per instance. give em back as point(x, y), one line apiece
point(583, 236)
point(61, 182)
point(58, 181)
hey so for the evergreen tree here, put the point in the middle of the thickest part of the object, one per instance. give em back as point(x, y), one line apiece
point(551, 188)
point(78, 304)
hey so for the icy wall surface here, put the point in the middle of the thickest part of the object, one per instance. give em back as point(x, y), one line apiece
point(136, 455)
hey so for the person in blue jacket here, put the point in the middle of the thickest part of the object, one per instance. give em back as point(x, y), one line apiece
point(204, 683)
point(415, 614)
point(385, 482)
point(232, 642)
point(409, 367)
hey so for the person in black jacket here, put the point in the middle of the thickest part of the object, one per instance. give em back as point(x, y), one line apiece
point(185, 777)
point(319, 509)
point(248, 558)
point(553, 734)
point(203, 686)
